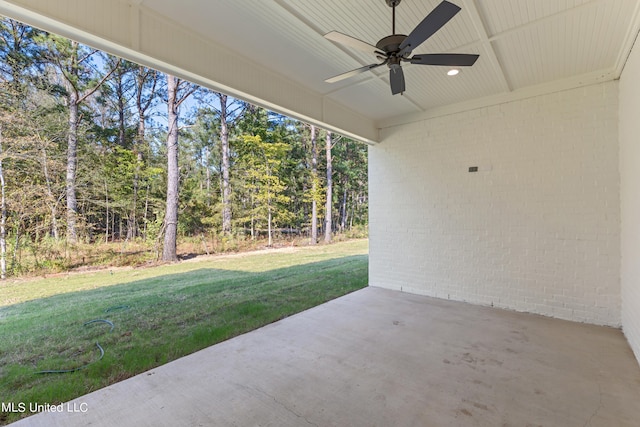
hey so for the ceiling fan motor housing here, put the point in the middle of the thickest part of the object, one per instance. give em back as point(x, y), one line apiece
point(391, 44)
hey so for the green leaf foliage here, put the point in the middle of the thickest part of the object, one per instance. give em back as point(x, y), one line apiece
point(121, 166)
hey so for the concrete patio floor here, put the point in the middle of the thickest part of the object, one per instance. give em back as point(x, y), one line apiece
point(384, 358)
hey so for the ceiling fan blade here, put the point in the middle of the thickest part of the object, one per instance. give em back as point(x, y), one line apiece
point(353, 73)
point(396, 78)
point(447, 59)
point(349, 41)
point(429, 25)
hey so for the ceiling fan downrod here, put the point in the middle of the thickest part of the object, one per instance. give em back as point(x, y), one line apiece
point(392, 4)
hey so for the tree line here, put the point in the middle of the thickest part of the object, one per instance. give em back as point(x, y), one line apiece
point(94, 148)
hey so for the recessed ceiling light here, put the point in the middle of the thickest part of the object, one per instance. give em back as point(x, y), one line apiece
point(453, 72)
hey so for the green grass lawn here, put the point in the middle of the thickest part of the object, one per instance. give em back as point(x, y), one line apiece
point(159, 314)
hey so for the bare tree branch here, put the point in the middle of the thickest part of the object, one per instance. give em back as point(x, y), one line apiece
point(97, 86)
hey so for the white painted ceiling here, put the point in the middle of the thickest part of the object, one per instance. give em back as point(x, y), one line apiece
point(523, 44)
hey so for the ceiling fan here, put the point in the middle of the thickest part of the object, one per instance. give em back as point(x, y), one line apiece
point(396, 48)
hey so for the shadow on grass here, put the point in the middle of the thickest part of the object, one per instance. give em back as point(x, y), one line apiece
point(155, 321)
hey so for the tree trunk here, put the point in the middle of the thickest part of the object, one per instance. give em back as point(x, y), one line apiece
point(106, 201)
point(226, 183)
point(314, 185)
point(16, 248)
point(343, 221)
point(3, 221)
point(269, 226)
point(132, 223)
point(72, 159)
point(52, 199)
point(169, 249)
point(76, 77)
point(208, 184)
point(327, 209)
point(353, 210)
point(146, 212)
point(142, 105)
point(121, 110)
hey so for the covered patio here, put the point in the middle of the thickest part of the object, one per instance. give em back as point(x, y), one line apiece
point(378, 357)
point(509, 188)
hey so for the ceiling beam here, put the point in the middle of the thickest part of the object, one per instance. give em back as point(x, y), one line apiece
point(630, 40)
point(595, 77)
point(481, 30)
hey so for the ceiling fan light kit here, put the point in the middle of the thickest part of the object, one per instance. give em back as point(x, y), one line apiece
point(396, 48)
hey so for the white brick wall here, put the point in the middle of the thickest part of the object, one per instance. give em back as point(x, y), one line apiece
point(630, 198)
point(537, 229)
